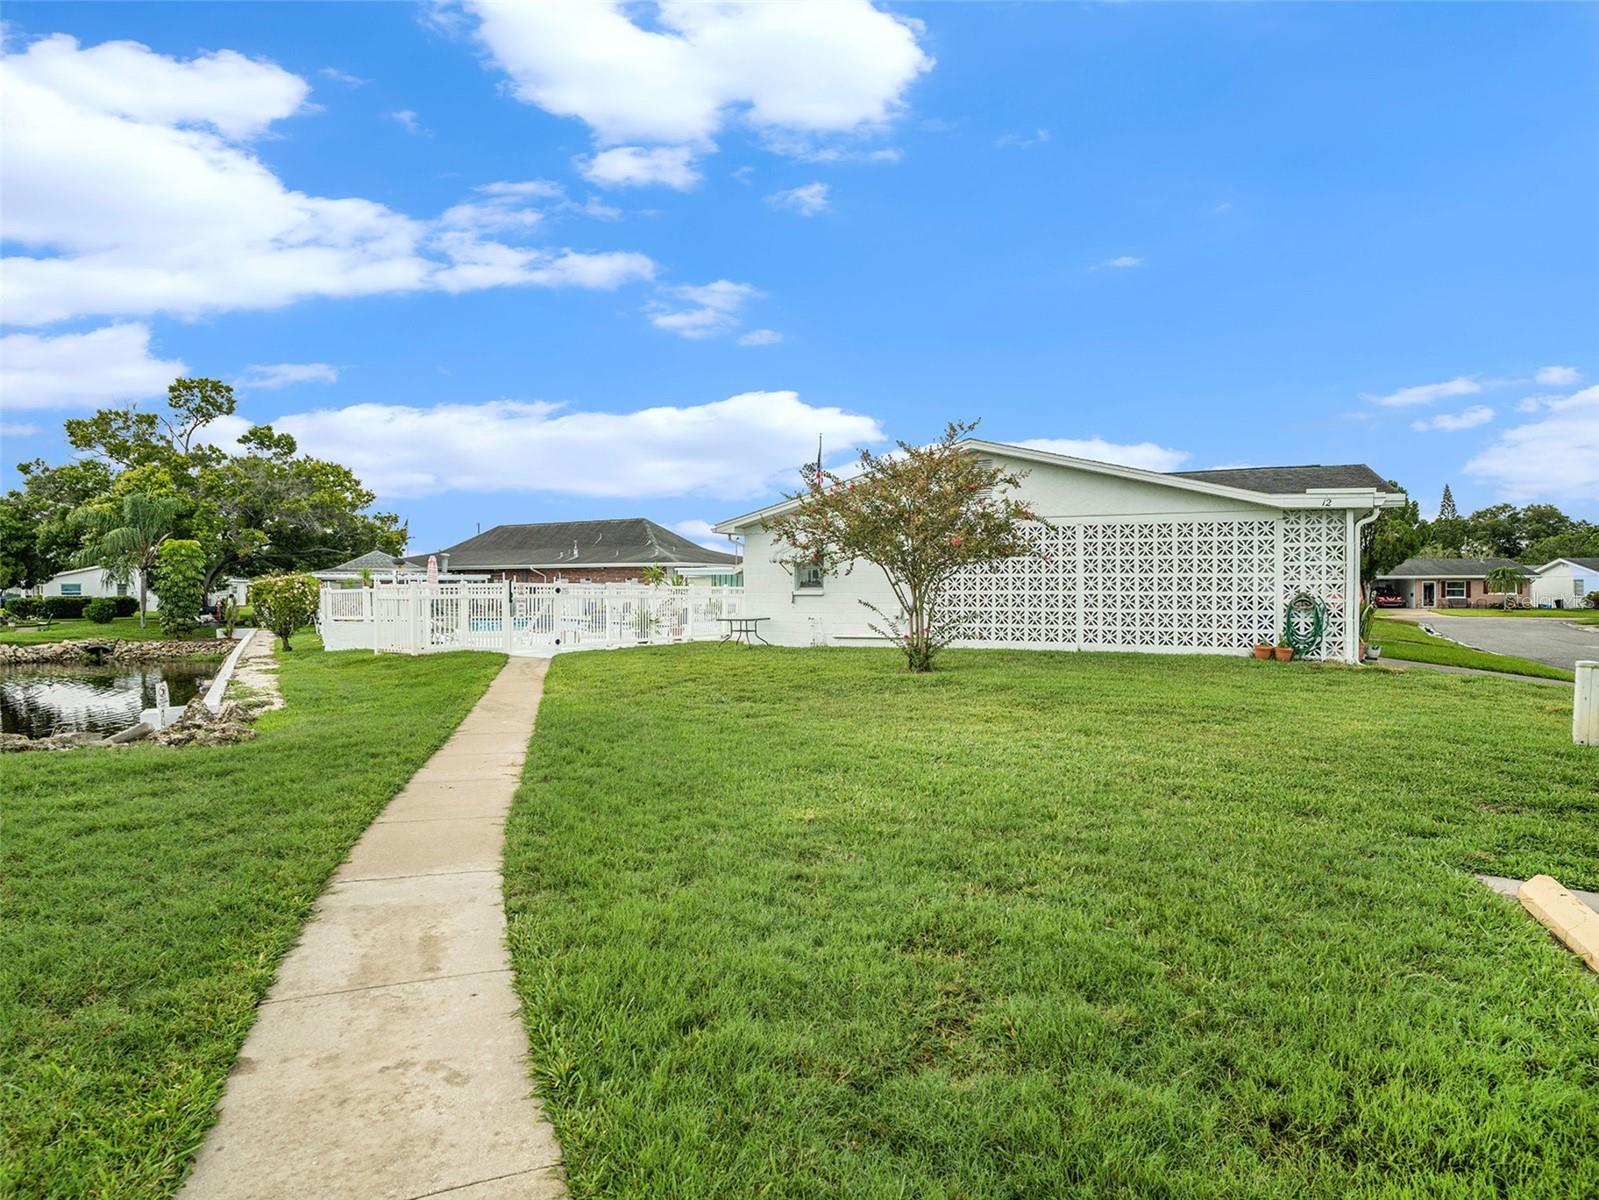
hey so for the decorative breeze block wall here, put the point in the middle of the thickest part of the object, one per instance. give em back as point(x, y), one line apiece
point(1212, 584)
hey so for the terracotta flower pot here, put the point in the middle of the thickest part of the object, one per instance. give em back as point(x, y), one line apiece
point(1263, 650)
point(1283, 653)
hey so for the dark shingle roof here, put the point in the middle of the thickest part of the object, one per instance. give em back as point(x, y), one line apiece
point(1285, 480)
point(1587, 564)
point(1448, 568)
point(629, 540)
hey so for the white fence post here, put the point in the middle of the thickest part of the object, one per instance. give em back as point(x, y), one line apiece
point(1585, 705)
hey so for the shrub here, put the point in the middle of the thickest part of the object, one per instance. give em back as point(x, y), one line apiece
point(126, 606)
point(1591, 600)
point(65, 608)
point(101, 610)
point(179, 584)
point(283, 603)
point(24, 607)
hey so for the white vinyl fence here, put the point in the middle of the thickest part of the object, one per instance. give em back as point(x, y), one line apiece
point(519, 618)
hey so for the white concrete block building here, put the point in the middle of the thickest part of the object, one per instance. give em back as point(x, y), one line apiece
point(1564, 582)
point(1187, 562)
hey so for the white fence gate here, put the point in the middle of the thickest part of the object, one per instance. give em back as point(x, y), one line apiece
point(519, 618)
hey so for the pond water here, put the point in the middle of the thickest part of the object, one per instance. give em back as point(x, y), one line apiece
point(44, 698)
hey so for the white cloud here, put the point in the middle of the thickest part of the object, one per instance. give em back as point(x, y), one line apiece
point(1427, 393)
point(1558, 376)
point(237, 96)
point(343, 77)
point(1552, 458)
point(1469, 418)
point(703, 533)
point(703, 310)
point(266, 377)
point(760, 337)
point(128, 206)
point(1145, 455)
point(1022, 141)
point(407, 120)
point(808, 199)
point(17, 431)
point(1124, 261)
point(105, 366)
point(681, 72)
point(635, 166)
point(732, 449)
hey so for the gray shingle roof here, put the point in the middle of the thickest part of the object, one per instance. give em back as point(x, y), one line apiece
point(628, 540)
point(1449, 568)
point(1284, 480)
point(1587, 564)
point(372, 560)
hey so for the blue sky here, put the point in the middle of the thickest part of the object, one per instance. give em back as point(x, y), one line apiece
point(539, 263)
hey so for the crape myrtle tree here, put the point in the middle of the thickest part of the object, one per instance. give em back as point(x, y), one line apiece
point(284, 603)
point(923, 514)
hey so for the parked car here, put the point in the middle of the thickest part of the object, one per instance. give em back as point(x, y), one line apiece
point(1389, 600)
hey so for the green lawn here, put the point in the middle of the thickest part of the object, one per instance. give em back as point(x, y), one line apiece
point(794, 923)
point(148, 895)
point(126, 628)
point(1408, 642)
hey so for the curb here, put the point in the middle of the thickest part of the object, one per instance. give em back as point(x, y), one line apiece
point(1563, 915)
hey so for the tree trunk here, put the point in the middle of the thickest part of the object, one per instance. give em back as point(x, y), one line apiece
point(143, 596)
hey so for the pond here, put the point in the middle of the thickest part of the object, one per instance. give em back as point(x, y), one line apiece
point(51, 698)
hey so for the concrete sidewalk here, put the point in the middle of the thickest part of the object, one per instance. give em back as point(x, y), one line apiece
point(389, 1059)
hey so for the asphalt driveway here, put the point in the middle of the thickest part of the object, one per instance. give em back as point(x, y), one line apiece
point(1557, 643)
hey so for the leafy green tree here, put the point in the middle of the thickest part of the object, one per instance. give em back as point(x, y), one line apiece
point(124, 537)
point(1582, 541)
point(1494, 531)
point(922, 514)
point(180, 584)
point(1446, 507)
point(284, 603)
point(22, 564)
point(1393, 537)
point(262, 507)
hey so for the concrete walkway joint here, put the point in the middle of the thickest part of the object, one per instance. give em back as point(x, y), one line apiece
point(389, 1060)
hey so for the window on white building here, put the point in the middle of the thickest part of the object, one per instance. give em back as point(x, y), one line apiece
point(72, 589)
point(807, 577)
point(1579, 586)
point(1454, 589)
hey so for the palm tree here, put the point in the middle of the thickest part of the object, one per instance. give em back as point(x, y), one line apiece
point(124, 538)
point(1507, 580)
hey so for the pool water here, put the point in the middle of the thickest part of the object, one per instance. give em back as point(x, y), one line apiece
point(47, 698)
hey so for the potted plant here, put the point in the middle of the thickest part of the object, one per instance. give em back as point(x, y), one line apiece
point(1283, 652)
point(1263, 650)
point(1368, 613)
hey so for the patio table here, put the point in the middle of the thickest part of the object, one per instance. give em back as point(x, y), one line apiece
point(744, 628)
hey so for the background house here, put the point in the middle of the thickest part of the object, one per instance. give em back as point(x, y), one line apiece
point(91, 582)
point(1448, 582)
point(1564, 582)
point(382, 567)
point(1188, 562)
point(614, 551)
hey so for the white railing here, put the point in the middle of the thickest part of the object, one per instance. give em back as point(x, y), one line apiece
point(519, 618)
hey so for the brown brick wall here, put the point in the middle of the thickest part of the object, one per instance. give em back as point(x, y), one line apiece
point(573, 575)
